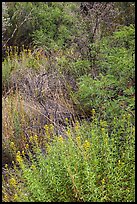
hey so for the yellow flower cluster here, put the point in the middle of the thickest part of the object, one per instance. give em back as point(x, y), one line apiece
point(60, 139)
point(5, 198)
point(86, 145)
point(106, 141)
point(19, 158)
point(12, 182)
point(51, 127)
point(6, 166)
point(103, 130)
point(12, 145)
point(93, 112)
point(29, 52)
point(128, 116)
point(47, 131)
point(27, 146)
point(78, 140)
point(103, 123)
point(33, 167)
point(77, 126)
point(105, 136)
point(31, 139)
point(46, 127)
point(48, 147)
point(15, 197)
point(124, 117)
point(103, 181)
point(36, 139)
point(68, 132)
point(23, 153)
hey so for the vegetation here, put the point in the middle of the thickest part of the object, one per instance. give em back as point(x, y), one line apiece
point(89, 165)
point(68, 102)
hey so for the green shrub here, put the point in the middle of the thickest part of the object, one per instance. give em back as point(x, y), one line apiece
point(112, 90)
point(56, 28)
point(80, 67)
point(49, 25)
point(90, 165)
point(116, 55)
point(104, 94)
point(21, 23)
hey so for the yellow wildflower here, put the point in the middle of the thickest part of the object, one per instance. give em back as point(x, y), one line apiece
point(78, 139)
point(93, 111)
point(60, 139)
point(5, 198)
point(33, 166)
point(31, 139)
point(103, 123)
point(23, 47)
point(19, 158)
point(36, 138)
point(48, 148)
point(124, 117)
point(106, 141)
point(128, 116)
point(68, 133)
point(12, 182)
point(133, 130)
point(86, 145)
point(103, 181)
point(6, 166)
point(77, 126)
point(27, 146)
point(12, 145)
point(37, 57)
point(51, 126)
point(29, 52)
point(46, 127)
point(103, 129)
point(15, 197)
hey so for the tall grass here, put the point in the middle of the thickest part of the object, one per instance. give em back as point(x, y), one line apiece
point(91, 164)
point(86, 161)
point(18, 121)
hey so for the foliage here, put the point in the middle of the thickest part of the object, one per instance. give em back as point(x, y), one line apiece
point(5, 18)
point(15, 62)
point(21, 23)
point(123, 9)
point(57, 28)
point(116, 55)
point(112, 91)
point(88, 166)
point(68, 101)
point(103, 18)
point(43, 24)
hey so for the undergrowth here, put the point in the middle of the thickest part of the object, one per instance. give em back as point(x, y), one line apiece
point(55, 146)
point(91, 164)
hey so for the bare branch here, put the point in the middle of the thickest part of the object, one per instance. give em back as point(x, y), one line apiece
point(17, 27)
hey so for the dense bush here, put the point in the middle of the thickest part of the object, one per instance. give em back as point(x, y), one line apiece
point(43, 24)
point(87, 166)
point(116, 55)
point(112, 90)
